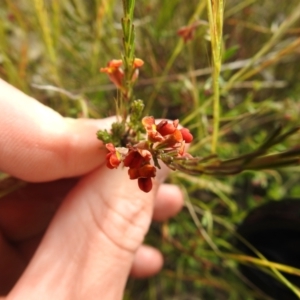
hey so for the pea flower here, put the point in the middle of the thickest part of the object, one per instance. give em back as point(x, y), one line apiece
point(163, 141)
point(116, 73)
point(113, 158)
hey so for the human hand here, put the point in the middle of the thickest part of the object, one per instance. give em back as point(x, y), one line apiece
point(84, 222)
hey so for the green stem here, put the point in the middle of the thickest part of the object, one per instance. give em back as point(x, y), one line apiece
point(215, 10)
point(216, 110)
point(128, 54)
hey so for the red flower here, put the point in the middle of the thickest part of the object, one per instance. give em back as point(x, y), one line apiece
point(164, 141)
point(173, 139)
point(113, 158)
point(165, 134)
point(142, 172)
point(186, 135)
point(145, 184)
point(114, 72)
point(138, 161)
point(188, 32)
point(165, 128)
point(133, 159)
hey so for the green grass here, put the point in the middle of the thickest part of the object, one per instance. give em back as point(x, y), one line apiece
point(230, 88)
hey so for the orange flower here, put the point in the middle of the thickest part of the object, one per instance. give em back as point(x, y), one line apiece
point(165, 133)
point(174, 138)
point(153, 135)
point(113, 158)
point(114, 71)
point(164, 141)
point(149, 123)
point(137, 63)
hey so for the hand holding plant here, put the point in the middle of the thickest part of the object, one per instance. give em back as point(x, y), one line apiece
point(232, 99)
point(69, 225)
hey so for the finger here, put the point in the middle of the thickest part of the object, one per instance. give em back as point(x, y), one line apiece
point(24, 216)
point(37, 144)
point(27, 211)
point(14, 258)
point(148, 261)
point(94, 237)
point(11, 266)
point(168, 202)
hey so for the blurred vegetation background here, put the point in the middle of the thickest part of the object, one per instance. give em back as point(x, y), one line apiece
point(52, 50)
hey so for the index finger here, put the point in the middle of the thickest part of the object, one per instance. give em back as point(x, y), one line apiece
point(38, 144)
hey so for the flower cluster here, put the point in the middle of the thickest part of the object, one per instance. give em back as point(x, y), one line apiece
point(116, 73)
point(164, 141)
point(166, 134)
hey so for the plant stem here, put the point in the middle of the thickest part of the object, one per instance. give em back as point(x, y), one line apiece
point(129, 47)
point(215, 10)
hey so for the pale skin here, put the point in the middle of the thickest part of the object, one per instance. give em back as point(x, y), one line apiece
point(76, 230)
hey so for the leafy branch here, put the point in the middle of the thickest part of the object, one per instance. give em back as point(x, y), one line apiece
point(256, 160)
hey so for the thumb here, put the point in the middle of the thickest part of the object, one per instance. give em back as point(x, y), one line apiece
point(90, 245)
